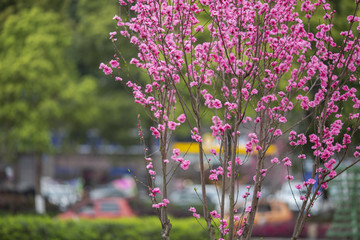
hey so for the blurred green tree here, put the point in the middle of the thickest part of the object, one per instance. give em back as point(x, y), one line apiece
point(91, 47)
point(40, 88)
point(34, 74)
point(108, 109)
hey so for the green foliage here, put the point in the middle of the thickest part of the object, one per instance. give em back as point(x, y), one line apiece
point(91, 38)
point(50, 52)
point(31, 76)
point(39, 81)
point(115, 121)
point(45, 228)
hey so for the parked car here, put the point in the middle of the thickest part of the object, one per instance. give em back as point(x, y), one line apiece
point(291, 196)
point(105, 191)
point(271, 212)
point(124, 187)
point(275, 220)
point(189, 197)
point(61, 193)
point(99, 208)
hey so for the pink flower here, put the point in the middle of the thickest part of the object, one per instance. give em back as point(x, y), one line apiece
point(199, 28)
point(185, 164)
point(106, 69)
point(172, 125)
point(155, 132)
point(292, 133)
point(216, 104)
point(134, 40)
point(182, 118)
point(102, 65)
point(285, 159)
point(239, 233)
point(156, 190)
point(288, 163)
point(161, 127)
point(254, 91)
point(116, 17)
point(213, 177)
point(149, 165)
point(289, 177)
point(332, 174)
point(215, 214)
point(277, 132)
point(258, 194)
point(195, 135)
point(346, 139)
point(176, 152)
point(176, 78)
point(302, 156)
point(114, 63)
point(330, 164)
point(311, 181)
point(134, 61)
point(238, 161)
point(192, 209)
point(324, 185)
point(275, 160)
point(213, 151)
point(283, 119)
point(248, 209)
point(149, 88)
point(112, 34)
point(350, 18)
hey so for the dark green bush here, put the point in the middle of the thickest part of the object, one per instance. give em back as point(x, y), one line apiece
point(46, 228)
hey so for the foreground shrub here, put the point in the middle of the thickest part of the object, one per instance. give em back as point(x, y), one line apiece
point(46, 228)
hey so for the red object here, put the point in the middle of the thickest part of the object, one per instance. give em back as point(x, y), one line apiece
point(108, 208)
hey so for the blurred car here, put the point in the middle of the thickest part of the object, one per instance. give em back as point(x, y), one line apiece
point(191, 196)
point(271, 212)
point(124, 187)
point(61, 194)
point(109, 208)
point(105, 191)
point(291, 196)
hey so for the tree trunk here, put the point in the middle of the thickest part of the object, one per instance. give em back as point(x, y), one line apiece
point(166, 228)
point(39, 199)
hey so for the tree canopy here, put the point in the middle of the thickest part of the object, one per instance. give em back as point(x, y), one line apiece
point(51, 85)
point(39, 82)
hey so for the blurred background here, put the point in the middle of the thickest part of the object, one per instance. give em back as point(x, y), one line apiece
point(69, 135)
point(60, 118)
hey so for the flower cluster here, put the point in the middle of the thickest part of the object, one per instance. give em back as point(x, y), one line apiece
point(184, 164)
point(249, 67)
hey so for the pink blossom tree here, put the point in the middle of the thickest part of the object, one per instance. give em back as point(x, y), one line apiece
point(255, 67)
